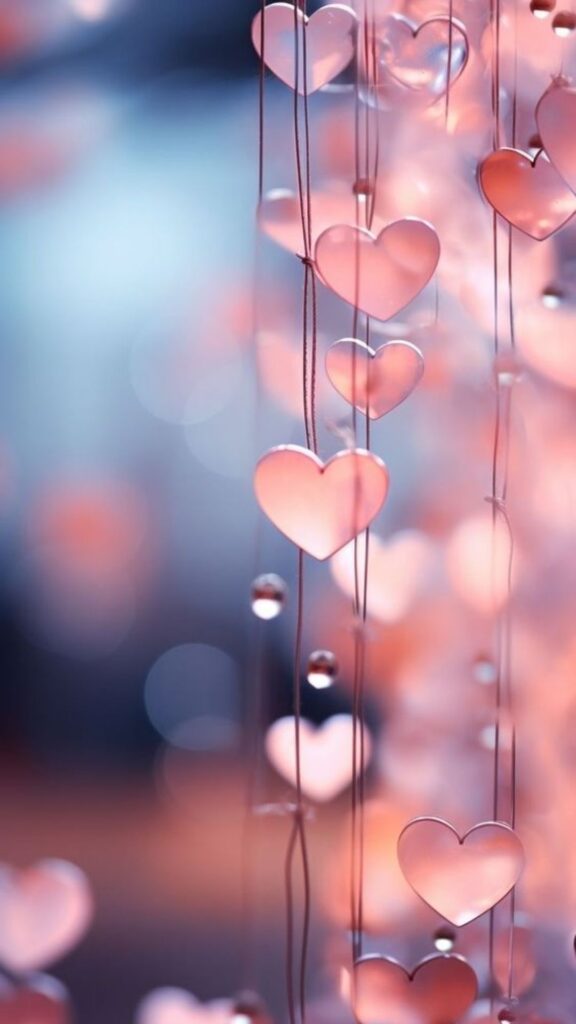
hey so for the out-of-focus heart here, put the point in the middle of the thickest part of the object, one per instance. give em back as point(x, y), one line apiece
point(380, 275)
point(417, 57)
point(280, 218)
point(44, 912)
point(438, 991)
point(460, 878)
point(555, 116)
point(325, 754)
point(320, 506)
point(177, 1006)
point(329, 39)
point(42, 1000)
point(374, 381)
point(528, 193)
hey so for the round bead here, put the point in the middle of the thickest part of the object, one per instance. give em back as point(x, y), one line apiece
point(268, 595)
point(506, 1016)
point(542, 8)
point(322, 669)
point(552, 297)
point(444, 939)
point(564, 23)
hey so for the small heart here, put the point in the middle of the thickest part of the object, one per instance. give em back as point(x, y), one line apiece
point(460, 878)
point(320, 506)
point(438, 991)
point(417, 57)
point(279, 216)
point(528, 193)
point(177, 1006)
point(330, 38)
point(326, 754)
point(42, 1000)
point(555, 117)
point(380, 275)
point(374, 381)
point(44, 912)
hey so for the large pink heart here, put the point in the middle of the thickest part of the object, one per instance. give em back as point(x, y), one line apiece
point(417, 57)
point(326, 754)
point(374, 381)
point(44, 911)
point(460, 878)
point(555, 117)
point(330, 35)
point(380, 275)
point(438, 991)
point(177, 1006)
point(528, 193)
point(42, 1000)
point(320, 507)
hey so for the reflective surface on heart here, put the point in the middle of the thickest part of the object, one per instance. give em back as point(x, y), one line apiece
point(380, 275)
point(460, 878)
point(320, 507)
point(177, 1006)
point(44, 911)
point(523, 959)
point(42, 1000)
point(555, 117)
point(374, 381)
point(280, 218)
point(330, 34)
point(438, 991)
point(417, 57)
point(528, 193)
point(325, 754)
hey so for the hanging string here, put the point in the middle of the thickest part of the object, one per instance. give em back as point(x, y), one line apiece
point(449, 67)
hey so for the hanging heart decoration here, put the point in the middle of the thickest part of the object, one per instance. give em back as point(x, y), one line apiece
point(326, 754)
point(177, 1006)
point(555, 117)
point(41, 1000)
point(416, 57)
point(320, 506)
point(528, 193)
point(330, 37)
point(439, 990)
point(460, 878)
point(379, 275)
point(374, 381)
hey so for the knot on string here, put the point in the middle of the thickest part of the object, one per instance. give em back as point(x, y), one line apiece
point(307, 261)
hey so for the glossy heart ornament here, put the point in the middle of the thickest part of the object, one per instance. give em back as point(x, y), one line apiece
point(42, 1000)
point(460, 878)
point(380, 275)
point(374, 381)
point(528, 193)
point(417, 57)
point(326, 754)
point(320, 506)
point(177, 1006)
point(439, 990)
point(330, 38)
point(44, 912)
point(555, 117)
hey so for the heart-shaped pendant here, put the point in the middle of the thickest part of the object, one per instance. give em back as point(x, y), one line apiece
point(44, 911)
point(438, 991)
point(326, 754)
point(177, 1006)
point(407, 63)
point(374, 381)
point(330, 37)
point(380, 275)
point(460, 878)
point(320, 506)
point(555, 117)
point(528, 193)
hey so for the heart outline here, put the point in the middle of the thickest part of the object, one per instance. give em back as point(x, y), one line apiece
point(533, 162)
point(371, 355)
point(415, 30)
point(409, 976)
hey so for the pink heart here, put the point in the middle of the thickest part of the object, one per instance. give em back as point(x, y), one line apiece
point(42, 1000)
point(438, 991)
point(177, 1006)
point(380, 275)
point(325, 754)
point(528, 193)
point(555, 117)
point(280, 218)
point(460, 878)
point(417, 57)
point(44, 911)
point(374, 381)
point(330, 36)
point(320, 507)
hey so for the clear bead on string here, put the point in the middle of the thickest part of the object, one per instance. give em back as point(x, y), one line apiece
point(552, 297)
point(322, 669)
point(268, 595)
point(484, 670)
point(444, 939)
point(564, 23)
point(542, 8)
